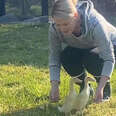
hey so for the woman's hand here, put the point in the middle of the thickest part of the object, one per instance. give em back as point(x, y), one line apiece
point(99, 95)
point(54, 92)
point(100, 88)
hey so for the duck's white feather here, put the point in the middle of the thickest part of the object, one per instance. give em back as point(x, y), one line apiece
point(74, 100)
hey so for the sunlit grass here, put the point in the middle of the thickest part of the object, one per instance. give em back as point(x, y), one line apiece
point(22, 86)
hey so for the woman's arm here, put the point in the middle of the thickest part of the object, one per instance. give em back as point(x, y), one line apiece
point(54, 63)
point(54, 54)
point(106, 52)
point(105, 47)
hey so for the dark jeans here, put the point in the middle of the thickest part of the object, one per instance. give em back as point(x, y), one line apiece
point(76, 61)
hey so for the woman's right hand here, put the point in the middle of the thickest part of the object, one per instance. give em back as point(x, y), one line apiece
point(54, 92)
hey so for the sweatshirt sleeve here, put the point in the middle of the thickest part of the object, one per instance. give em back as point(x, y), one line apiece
point(105, 47)
point(54, 54)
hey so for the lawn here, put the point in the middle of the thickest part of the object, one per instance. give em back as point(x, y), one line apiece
point(24, 75)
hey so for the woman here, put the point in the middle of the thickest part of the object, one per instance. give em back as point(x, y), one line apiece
point(81, 40)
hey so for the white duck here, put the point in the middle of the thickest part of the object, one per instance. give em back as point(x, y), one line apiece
point(76, 101)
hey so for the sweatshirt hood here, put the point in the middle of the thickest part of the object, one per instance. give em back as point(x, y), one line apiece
point(85, 8)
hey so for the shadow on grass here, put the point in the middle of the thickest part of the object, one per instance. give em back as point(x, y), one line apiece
point(46, 110)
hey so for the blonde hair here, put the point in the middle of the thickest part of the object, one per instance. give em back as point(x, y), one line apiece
point(64, 8)
point(75, 2)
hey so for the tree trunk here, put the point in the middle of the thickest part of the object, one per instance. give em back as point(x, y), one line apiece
point(44, 5)
point(2, 7)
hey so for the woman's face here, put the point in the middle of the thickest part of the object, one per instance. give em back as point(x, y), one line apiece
point(66, 26)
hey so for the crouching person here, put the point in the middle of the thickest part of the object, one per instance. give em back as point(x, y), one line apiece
point(81, 40)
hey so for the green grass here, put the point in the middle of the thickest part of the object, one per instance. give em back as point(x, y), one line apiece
point(23, 44)
point(24, 75)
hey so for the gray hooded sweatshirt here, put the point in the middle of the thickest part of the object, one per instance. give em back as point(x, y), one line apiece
point(96, 33)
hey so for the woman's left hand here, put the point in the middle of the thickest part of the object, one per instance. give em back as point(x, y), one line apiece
point(100, 88)
point(98, 95)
